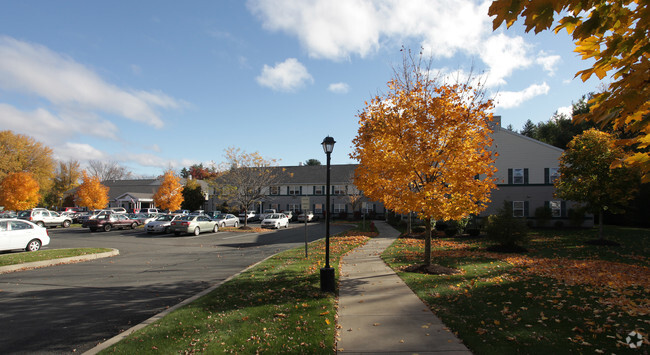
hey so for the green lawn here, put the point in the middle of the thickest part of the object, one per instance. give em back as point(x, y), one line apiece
point(275, 307)
point(561, 297)
point(40, 255)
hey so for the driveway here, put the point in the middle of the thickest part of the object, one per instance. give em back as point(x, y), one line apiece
point(70, 308)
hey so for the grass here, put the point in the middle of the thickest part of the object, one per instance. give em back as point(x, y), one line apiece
point(275, 307)
point(561, 297)
point(40, 255)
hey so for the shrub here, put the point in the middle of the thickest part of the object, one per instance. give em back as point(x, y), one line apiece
point(451, 228)
point(357, 215)
point(392, 218)
point(577, 216)
point(506, 230)
point(543, 215)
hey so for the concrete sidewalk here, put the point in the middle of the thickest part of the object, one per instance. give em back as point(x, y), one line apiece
point(379, 314)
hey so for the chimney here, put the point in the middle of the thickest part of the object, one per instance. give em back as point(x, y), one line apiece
point(496, 122)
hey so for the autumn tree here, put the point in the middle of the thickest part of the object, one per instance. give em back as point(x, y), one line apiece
point(66, 177)
point(199, 172)
point(169, 195)
point(586, 177)
point(19, 191)
point(20, 153)
point(91, 193)
point(108, 170)
point(246, 178)
point(613, 35)
point(422, 145)
point(192, 194)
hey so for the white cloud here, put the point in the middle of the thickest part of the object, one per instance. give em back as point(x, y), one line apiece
point(503, 54)
point(548, 62)
point(510, 99)
point(53, 129)
point(565, 110)
point(79, 152)
point(286, 76)
point(339, 88)
point(36, 70)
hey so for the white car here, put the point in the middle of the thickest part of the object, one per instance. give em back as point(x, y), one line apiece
point(276, 220)
point(248, 216)
point(45, 218)
point(161, 224)
point(309, 215)
point(18, 234)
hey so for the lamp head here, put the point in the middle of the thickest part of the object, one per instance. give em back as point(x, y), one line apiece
point(328, 144)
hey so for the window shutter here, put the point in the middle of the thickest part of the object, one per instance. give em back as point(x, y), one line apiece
point(563, 209)
point(287, 190)
point(314, 190)
point(547, 178)
point(526, 207)
point(526, 176)
point(300, 190)
point(509, 176)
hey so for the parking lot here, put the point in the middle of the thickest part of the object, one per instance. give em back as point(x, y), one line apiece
point(70, 308)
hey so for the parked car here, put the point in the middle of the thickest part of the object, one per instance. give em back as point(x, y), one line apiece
point(45, 218)
point(8, 214)
point(193, 224)
point(143, 218)
point(267, 212)
point(289, 214)
point(117, 209)
point(19, 234)
point(227, 220)
point(161, 224)
point(213, 214)
point(106, 222)
point(72, 209)
point(249, 216)
point(309, 215)
point(149, 210)
point(181, 212)
point(276, 220)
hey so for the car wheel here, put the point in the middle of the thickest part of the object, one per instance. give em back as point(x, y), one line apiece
point(66, 224)
point(197, 231)
point(167, 230)
point(40, 224)
point(134, 225)
point(33, 245)
point(107, 227)
point(215, 229)
point(223, 224)
point(287, 225)
point(177, 233)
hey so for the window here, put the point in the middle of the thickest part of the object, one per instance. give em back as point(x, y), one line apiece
point(339, 207)
point(339, 190)
point(318, 208)
point(369, 208)
point(294, 190)
point(319, 190)
point(275, 206)
point(553, 174)
point(275, 190)
point(518, 208)
point(556, 208)
point(294, 207)
point(517, 176)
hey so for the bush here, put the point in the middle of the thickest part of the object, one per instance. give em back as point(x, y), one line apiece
point(357, 215)
point(392, 218)
point(451, 228)
point(543, 215)
point(576, 216)
point(506, 230)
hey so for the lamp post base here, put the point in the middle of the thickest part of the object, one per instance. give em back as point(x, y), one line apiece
point(327, 282)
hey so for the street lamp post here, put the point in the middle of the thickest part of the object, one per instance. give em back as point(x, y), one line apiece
point(327, 273)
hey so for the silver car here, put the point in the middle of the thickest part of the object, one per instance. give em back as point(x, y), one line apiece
point(162, 223)
point(227, 220)
point(193, 225)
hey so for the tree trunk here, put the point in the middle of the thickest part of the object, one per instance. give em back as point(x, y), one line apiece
point(427, 242)
point(600, 225)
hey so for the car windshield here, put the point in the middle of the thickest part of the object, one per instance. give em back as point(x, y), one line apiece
point(187, 218)
point(24, 213)
point(273, 216)
point(164, 217)
point(220, 216)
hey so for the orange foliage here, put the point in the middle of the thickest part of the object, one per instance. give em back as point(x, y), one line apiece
point(19, 191)
point(170, 193)
point(91, 193)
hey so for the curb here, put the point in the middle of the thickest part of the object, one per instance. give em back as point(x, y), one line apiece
point(116, 339)
point(60, 261)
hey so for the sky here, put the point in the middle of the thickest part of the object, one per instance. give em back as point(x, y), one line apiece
point(155, 85)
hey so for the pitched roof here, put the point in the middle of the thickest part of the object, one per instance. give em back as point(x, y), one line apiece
point(314, 174)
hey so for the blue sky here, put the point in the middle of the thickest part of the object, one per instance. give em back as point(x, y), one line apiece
point(159, 84)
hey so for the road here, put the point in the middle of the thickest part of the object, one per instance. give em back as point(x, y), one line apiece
point(71, 308)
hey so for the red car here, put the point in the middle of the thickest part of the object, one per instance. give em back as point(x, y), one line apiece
point(106, 222)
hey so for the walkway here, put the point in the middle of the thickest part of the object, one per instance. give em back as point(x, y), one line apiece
point(379, 314)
